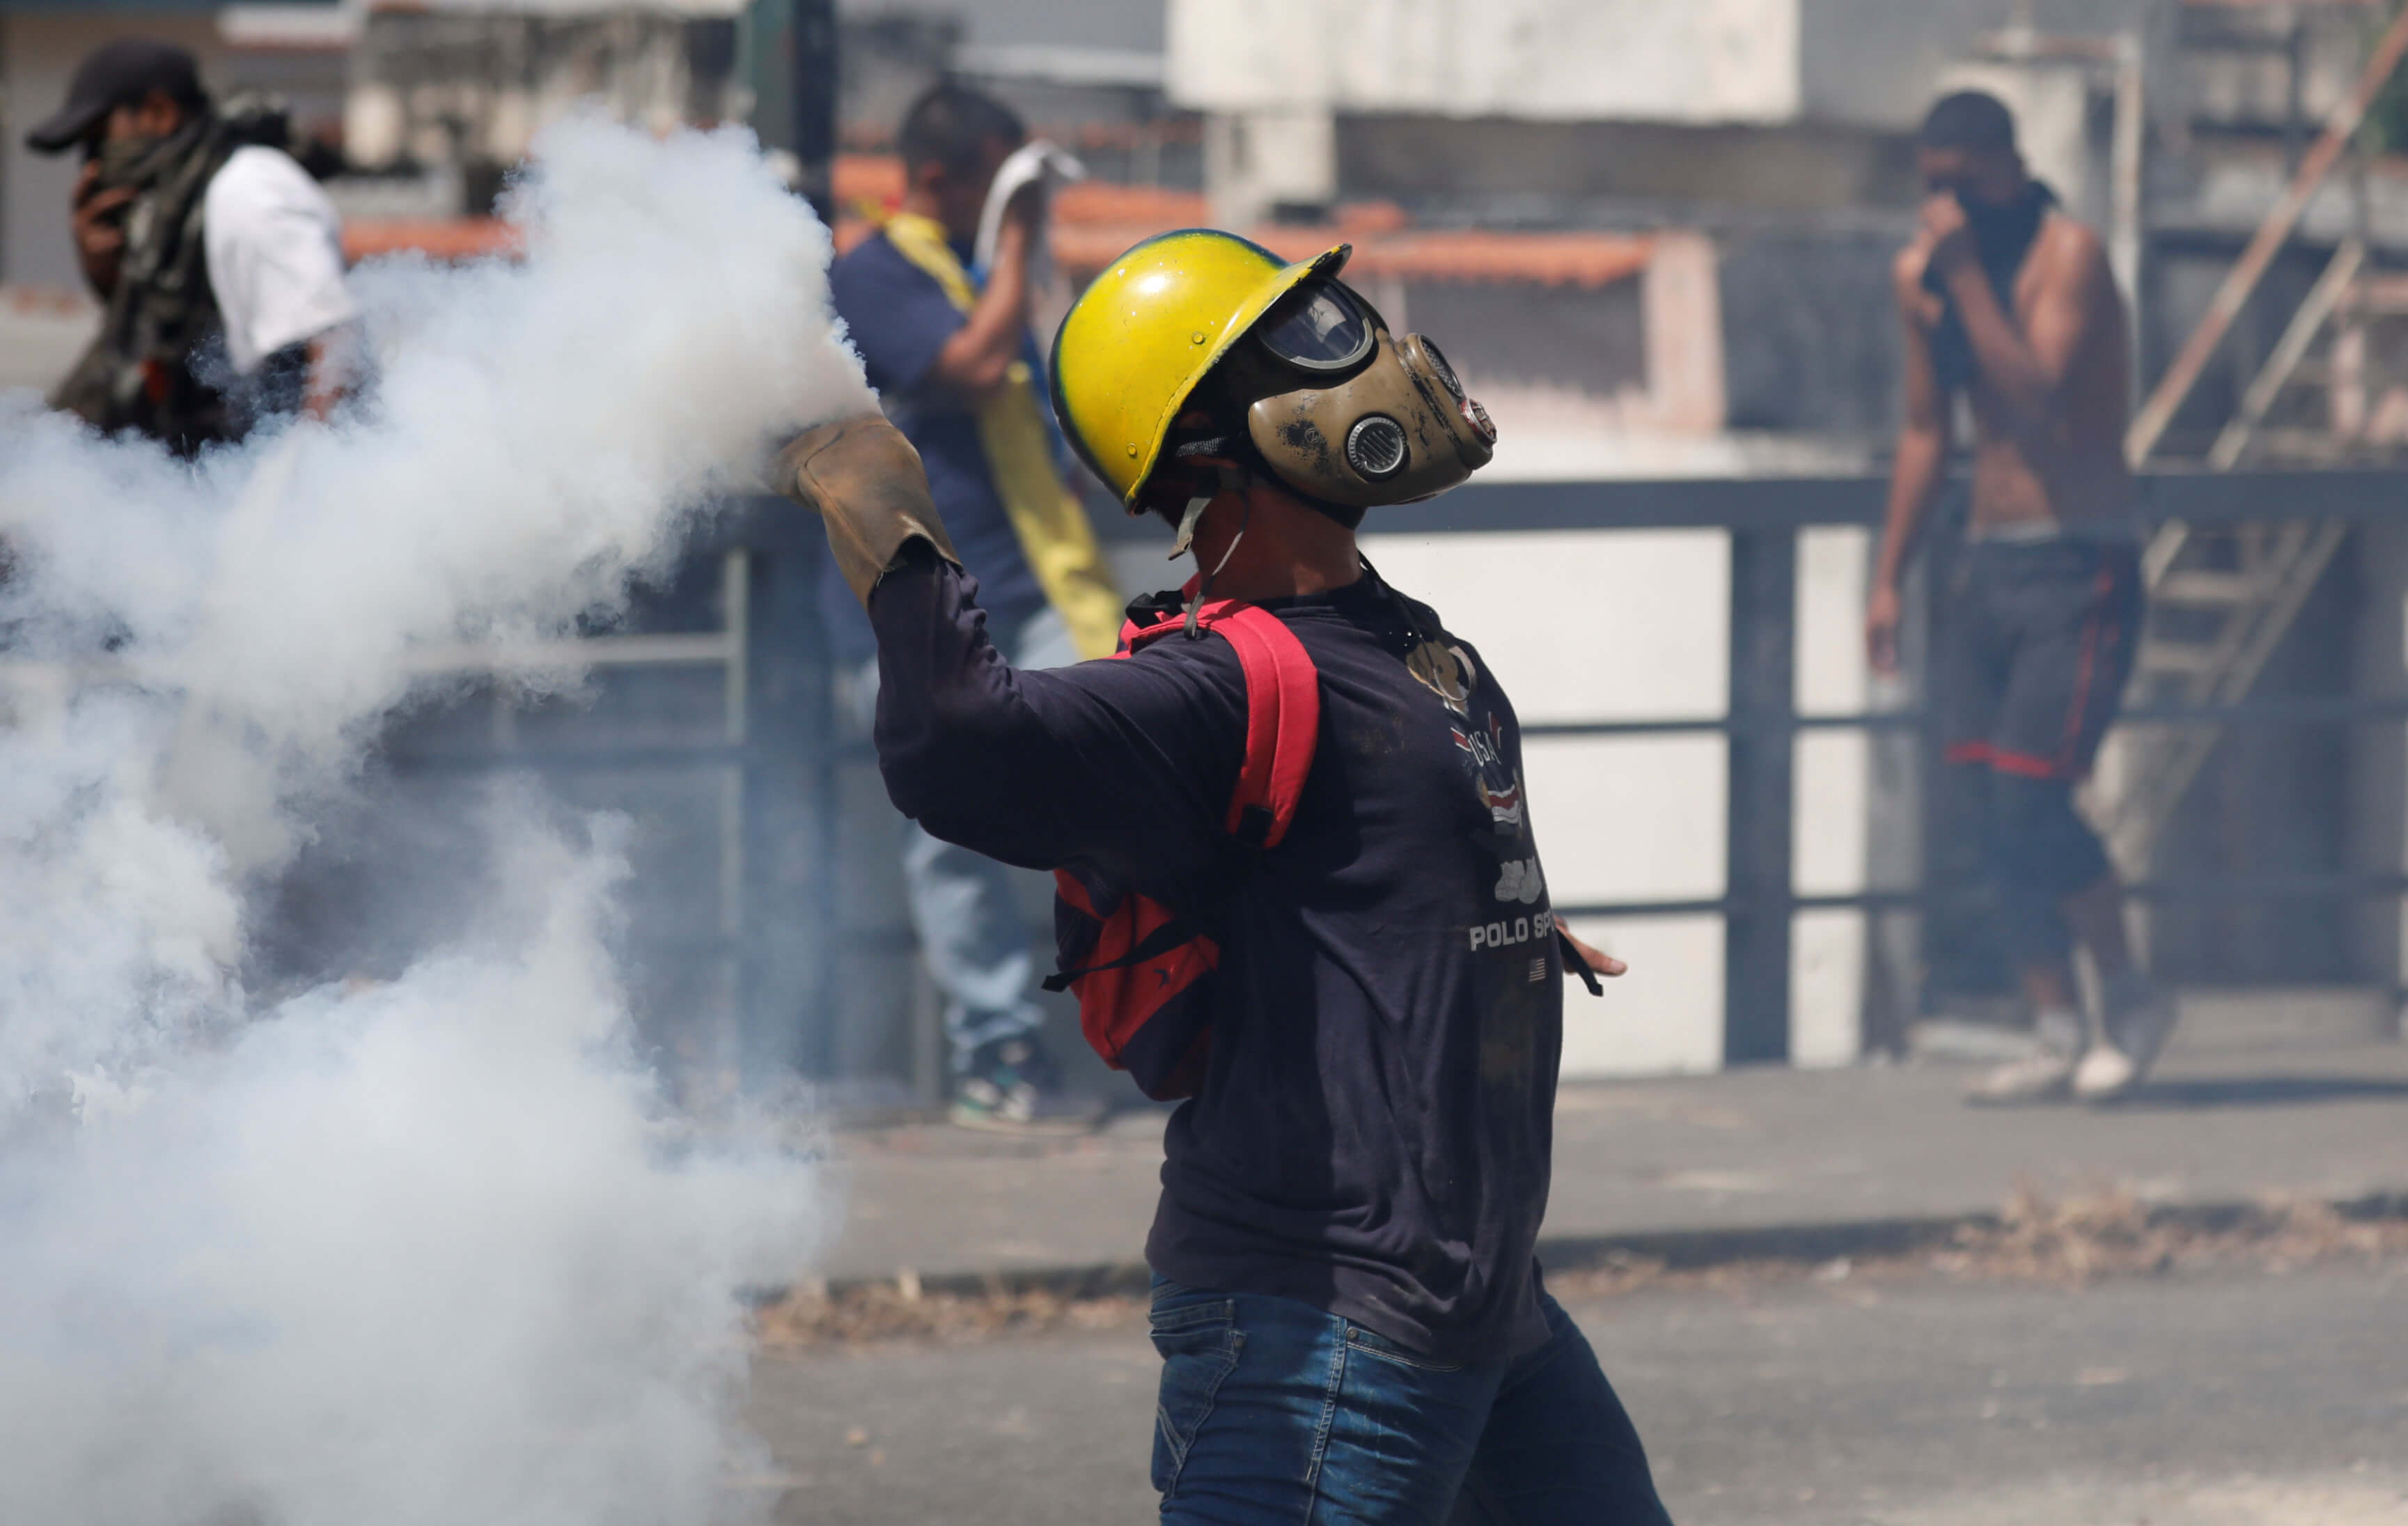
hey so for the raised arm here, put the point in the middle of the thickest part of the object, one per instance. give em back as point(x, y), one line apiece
point(1124, 764)
point(2026, 366)
point(975, 360)
point(1921, 457)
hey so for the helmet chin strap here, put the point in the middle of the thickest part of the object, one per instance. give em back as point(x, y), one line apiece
point(1204, 582)
point(1229, 476)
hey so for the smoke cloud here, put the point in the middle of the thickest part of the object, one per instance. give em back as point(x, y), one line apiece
point(432, 1249)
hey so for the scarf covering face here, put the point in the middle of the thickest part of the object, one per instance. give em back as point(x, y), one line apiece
point(2003, 238)
point(139, 161)
point(1053, 527)
point(137, 372)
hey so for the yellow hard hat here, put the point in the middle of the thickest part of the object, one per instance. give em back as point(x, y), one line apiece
point(1144, 333)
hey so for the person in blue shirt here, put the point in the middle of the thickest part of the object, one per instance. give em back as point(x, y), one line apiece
point(949, 349)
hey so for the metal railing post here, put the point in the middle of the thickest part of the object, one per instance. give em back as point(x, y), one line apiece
point(788, 833)
point(1763, 733)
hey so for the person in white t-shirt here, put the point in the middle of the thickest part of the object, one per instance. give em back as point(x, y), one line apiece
point(219, 258)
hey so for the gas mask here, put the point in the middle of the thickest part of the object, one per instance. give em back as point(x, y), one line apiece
point(1348, 414)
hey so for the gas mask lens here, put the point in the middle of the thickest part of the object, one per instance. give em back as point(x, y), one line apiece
point(1320, 328)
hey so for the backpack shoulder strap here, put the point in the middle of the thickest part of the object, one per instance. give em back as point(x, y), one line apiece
point(1282, 722)
point(1283, 710)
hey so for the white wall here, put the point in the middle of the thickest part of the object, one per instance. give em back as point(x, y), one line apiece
point(1133, 24)
point(1604, 626)
point(1634, 625)
point(1610, 625)
point(1701, 61)
point(1831, 798)
point(1878, 63)
point(1870, 63)
point(1600, 625)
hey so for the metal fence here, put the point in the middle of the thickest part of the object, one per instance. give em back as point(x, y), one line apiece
point(812, 956)
point(765, 935)
point(1764, 518)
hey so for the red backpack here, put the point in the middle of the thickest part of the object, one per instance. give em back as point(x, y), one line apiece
point(1143, 970)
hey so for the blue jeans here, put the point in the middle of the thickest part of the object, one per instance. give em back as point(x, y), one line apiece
point(965, 909)
point(1272, 1411)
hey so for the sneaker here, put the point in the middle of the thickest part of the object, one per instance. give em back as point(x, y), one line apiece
point(2139, 1015)
point(1012, 1087)
point(2044, 1075)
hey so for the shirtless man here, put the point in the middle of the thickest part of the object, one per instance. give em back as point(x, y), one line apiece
point(2010, 301)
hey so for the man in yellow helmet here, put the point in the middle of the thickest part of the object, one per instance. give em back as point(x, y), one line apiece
point(1351, 1318)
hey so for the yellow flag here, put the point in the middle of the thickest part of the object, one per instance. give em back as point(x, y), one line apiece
point(1054, 534)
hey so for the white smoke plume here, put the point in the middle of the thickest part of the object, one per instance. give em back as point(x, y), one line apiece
point(432, 1250)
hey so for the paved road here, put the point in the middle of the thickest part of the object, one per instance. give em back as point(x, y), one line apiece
point(1745, 1149)
point(2225, 1399)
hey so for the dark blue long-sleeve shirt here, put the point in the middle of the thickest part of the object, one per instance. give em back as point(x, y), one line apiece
point(1373, 1134)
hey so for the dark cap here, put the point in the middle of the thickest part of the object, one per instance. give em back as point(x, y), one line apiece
point(1970, 120)
point(117, 74)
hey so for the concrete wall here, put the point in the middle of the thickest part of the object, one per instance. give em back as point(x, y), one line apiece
point(1811, 338)
point(1622, 818)
point(1568, 60)
point(1133, 24)
point(1505, 167)
point(1876, 63)
point(1643, 817)
point(2236, 86)
point(1868, 62)
point(439, 88)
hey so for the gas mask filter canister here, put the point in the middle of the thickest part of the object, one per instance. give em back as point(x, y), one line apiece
point(1350, 414)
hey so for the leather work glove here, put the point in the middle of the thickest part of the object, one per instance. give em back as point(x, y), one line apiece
point(866, 483)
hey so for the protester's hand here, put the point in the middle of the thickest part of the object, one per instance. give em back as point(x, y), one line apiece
point(1922, 307)
point(866, 482)
point(1023, 215)
point(1912, 261)
point(1946, 232)
point(1596, 958)
point(1881, 629)
point(98, 222)
point(329, 380)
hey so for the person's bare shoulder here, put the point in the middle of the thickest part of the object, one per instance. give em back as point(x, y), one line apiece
point(2069, 254)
